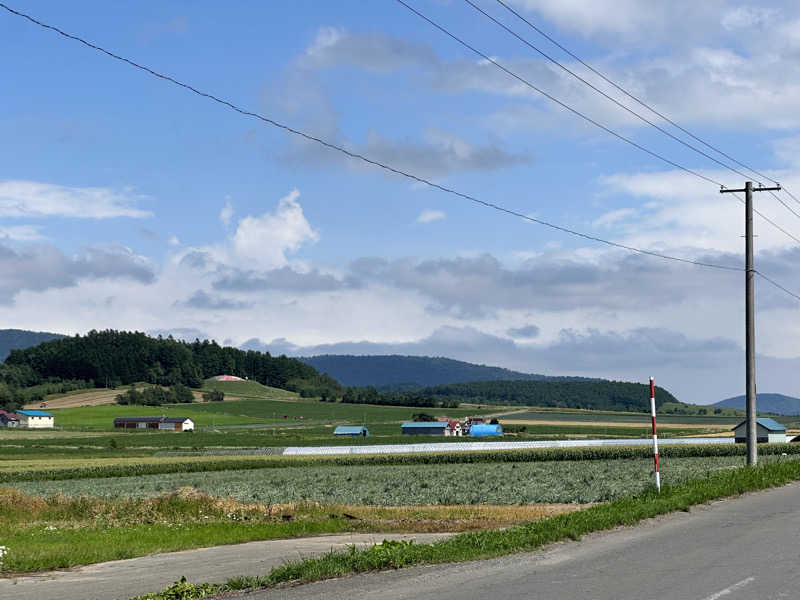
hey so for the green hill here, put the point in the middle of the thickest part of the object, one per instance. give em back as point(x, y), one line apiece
point(248, 389)
point(11, 339)
point(395, 372)
point(594, 395)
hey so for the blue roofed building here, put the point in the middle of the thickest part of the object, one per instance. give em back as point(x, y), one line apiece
point(426, 428)
point(355, 431)
point(768, 431)
point(35, 419)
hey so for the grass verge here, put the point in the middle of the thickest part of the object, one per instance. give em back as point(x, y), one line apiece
point(488, 544)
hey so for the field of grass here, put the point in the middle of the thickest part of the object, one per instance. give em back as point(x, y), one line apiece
point(248, 389)
point(492, 483)
point(623, 417)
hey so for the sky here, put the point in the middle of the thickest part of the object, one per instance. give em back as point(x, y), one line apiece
point(129, 203)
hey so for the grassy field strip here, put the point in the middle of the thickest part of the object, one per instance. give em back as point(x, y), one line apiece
point(31, 465)
point(625, 511)
point(634, 424)
point(60, 532)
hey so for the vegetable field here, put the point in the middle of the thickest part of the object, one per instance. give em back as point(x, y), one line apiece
point(493, 483)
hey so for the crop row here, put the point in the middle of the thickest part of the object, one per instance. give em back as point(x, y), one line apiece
point(438, 458)
point(453, 484)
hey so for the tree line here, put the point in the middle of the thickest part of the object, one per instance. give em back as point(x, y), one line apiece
point(595, 395)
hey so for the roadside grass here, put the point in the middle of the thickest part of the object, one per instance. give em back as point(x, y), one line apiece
point(61, 532)
point(624, 511)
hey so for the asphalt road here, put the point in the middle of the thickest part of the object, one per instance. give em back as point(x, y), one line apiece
point(746, 548)
point(122, 579)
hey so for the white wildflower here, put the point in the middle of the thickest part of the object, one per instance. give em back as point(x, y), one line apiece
point(3, 553)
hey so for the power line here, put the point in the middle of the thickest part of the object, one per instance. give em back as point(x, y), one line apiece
point(619, 136)
point(601, 92)
point(789, 208)
point(629, 94)
point(776, 284)
point(552, 98)
point(361, 157)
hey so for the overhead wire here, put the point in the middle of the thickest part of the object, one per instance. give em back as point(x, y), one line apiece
point(776, 284)
point(632, 97)
point(601, 92)
point(629, 94)
point(365, 159)
point(582, 115)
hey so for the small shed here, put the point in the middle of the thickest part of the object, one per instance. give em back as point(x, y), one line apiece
point(426, 428)
point(768, 431)
point(162, 423)
point(485, 430)
point(35, 419)
point(355, 431)
point(8, 419)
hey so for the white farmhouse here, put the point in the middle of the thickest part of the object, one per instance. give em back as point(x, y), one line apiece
point(35, 419)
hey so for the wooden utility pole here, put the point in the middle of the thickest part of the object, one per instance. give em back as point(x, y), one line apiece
point(750, 320)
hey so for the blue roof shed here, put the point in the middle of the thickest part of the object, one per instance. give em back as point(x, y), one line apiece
point(767, 431)
point(484, 430)
point(34, 413)
point(351, 430)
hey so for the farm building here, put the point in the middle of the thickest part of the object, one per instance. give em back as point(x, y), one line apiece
point(163, 423)
point(455, 429)
point(485, 430)
point(426, 428)
point(8, 419)
point(351, 430)
point(35, 419)
point(768, 431)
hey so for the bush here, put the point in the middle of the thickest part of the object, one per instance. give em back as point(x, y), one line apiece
point(214, 396)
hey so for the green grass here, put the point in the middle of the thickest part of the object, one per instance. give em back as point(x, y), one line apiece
point(251, 411)
point(625, 511)
point(625, 417)
point(416, 484)
point(249, 389)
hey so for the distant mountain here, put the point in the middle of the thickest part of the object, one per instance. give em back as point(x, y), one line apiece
point(766, 403)
point(395, 372)
point(12, 339)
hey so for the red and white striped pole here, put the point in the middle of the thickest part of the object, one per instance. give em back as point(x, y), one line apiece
point(655, 433)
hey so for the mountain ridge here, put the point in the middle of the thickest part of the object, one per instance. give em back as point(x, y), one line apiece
point(399, 372)
point(779, 404)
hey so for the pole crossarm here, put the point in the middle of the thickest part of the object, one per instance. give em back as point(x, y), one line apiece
point(776, 188)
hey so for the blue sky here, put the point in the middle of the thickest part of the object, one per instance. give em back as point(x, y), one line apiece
point(127, 202)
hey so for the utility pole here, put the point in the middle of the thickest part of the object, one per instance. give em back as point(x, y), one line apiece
point(750, 321)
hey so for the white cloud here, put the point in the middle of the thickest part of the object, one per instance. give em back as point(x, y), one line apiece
point(174, 241)
point(34, 199)
point(21, 233)
point(264, 241)
point(226, 213)
point(429, 216)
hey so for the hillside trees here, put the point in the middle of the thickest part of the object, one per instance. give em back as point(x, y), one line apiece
point(111, 358)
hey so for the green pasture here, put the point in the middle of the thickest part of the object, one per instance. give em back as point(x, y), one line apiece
point(248, 389)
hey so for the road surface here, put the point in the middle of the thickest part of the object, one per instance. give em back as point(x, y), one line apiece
point(745, 548)
point(122, 579)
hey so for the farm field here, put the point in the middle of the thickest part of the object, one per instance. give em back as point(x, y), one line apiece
point(621, 417)
point(421, 484)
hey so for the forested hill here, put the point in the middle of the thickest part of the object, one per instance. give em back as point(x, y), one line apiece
point(395, 372)
point(596, 395)
point(120, 357)
point(777, 404)
point(18, 338)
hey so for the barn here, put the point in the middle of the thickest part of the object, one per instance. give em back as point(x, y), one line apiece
point(485, 430)
point(359, 431)
point(8, 419)
point(426, 428)
point(768, 431)
point(162, 423)
point(35, 419)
